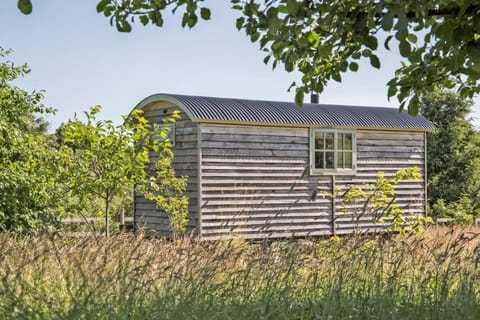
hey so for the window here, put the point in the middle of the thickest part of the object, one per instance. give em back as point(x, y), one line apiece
point(332, 151)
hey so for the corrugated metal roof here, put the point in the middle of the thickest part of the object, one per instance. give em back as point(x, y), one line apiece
point(211, 109)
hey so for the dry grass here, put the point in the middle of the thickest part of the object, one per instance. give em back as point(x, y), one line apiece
point(435, 275)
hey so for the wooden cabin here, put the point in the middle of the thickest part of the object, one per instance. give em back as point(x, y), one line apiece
point(264, 169)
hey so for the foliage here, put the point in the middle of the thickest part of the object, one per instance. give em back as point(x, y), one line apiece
point(163, 186)
point(423, 276)
point(453, 156)
point(32, 189)
point(439, 40)
point(378, 200)
point(107, 160)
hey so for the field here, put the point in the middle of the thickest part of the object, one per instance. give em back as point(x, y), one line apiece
point(434, 275)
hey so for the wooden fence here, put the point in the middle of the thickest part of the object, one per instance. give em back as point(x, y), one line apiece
point(441, 221)
point(126, 224)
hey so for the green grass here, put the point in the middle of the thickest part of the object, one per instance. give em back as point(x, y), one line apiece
point(435, 275)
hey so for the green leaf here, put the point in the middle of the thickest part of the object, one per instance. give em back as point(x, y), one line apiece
point(387, 21)
point(299, 95)
point(292, 7)
point(405, 48)
point(124, 26)
point(374, 61)
point(240, 22)
point(205, 13)
point(413, 106)
point(313, 38)
point(412, 38)
point(353, 66)
point(336, 76)
point(254, 36)
point(371, 42)
point(288, 66)
point(25, 6)
point(386, 45)
point(192, 20)
point(101, 5)
point(392, 90)
point(144, 20)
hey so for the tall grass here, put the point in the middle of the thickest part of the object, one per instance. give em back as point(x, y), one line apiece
point(435, 275)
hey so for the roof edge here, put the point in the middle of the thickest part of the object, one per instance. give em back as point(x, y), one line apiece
point(159, 97)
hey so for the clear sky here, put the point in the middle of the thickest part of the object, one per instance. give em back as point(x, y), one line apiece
point(81, 61)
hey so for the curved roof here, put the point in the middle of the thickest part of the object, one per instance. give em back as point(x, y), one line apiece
point(243, 111)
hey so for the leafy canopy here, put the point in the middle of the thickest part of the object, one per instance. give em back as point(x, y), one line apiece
point(107, 160)
point(439, 40)
point(32, 188)
point(453, 156)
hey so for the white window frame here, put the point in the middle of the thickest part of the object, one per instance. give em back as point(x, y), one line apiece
point(334, 171)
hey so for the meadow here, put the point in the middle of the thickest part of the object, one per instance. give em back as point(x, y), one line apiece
point(432, 275)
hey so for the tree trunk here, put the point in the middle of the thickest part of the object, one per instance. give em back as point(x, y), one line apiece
point(106, 215)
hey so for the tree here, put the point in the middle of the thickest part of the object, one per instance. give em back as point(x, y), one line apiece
point(106, 161)
point(323, 39)
point(453, 156)
point(32, 189)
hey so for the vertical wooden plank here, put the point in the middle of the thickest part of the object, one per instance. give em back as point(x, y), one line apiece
point(425, 174)
point(199, 179)
point(334, 226)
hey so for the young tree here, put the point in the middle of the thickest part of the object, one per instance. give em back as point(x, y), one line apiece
point(32, 190)
point(323, 39)
point(107, 160)
point(453, 156)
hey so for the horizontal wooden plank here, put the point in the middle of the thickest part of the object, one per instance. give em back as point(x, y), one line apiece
point(266, 222)
point(240, 167)
point(251, 181)
point(263, 197)
point(206, 159)
point(318, 208)
point(221, 215)
point(256, 153)
point(392, 135)
point(216, 137)
point(388, 142)
point(261, 189)
point(255, 130)
point(260, 174)
point(390, 162)
point(266, 229)
point(185, 159)
point(391, 149)
point(253, 146)
point(269, 235)
point(389, 155)
point(259, 202)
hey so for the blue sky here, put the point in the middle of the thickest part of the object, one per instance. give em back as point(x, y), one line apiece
point(81, 61)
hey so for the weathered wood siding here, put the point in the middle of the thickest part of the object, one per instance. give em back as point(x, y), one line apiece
point(255, 181)
point(387, 151)
point(151, 219)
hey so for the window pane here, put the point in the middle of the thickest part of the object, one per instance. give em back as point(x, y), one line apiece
point(319, 164)
point(319, 140)
point(329, 160)
point(348, 141)
point(348, 160)
point(339, 141)
point(340, 160)
point(329, 139)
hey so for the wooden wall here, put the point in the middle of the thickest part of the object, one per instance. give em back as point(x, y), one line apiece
point(256, 182)
point(150, 219)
